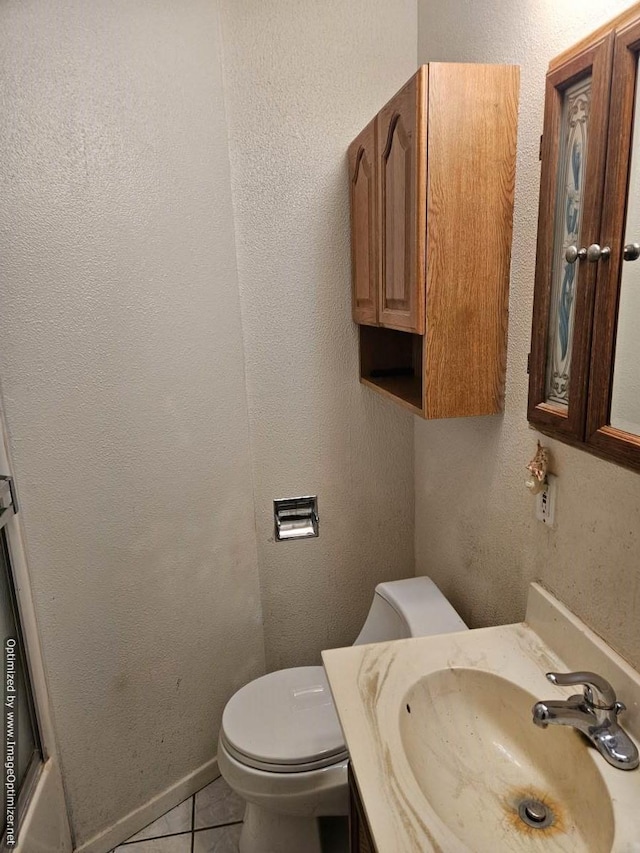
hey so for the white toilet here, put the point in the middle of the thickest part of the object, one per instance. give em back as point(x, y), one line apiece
point(281, 747)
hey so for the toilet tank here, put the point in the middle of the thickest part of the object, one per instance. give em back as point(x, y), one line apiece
point(413, 607)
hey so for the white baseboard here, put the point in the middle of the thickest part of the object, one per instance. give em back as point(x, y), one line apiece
point(155, 808)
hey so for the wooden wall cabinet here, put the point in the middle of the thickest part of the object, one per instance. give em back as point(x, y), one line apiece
point(584, 384)
point(431, 190)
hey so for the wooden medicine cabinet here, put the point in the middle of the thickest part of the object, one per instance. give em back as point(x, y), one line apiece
point(431, 190)
point(584, 384)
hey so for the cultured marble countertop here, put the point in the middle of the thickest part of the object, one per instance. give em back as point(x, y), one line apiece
point(370, 684)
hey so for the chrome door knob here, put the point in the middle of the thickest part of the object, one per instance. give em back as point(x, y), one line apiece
point(595, 253)
point(573, 254)
point(631, 252)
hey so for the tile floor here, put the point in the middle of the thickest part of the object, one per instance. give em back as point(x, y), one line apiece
point(208, 822)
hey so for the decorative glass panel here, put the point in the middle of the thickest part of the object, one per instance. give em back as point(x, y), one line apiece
point(572, 161)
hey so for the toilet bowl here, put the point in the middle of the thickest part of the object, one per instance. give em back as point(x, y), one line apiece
point(281, 747)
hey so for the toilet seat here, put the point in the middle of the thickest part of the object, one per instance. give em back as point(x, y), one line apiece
point(284, 722)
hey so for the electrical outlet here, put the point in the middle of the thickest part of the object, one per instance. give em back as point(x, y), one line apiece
point(546, 502)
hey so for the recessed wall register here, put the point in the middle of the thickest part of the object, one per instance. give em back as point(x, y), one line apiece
point(296, 518)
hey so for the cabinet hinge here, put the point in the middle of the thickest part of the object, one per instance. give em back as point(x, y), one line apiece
point(528, 362)
point(540, 149)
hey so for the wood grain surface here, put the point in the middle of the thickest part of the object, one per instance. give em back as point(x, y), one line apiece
point(594, 61)
point(401, 192)
point(364, 226)
point(472, 128)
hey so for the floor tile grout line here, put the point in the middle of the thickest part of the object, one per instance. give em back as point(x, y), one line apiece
point(134, 840)
point(193, 828)
point(217, 826)
point(193, 822)
point(155, 837)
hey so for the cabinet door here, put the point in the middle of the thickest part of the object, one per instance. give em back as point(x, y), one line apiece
point(364, 226)
point(573, 162)
point(402, 206)
point(614, 402)
point(360, 840)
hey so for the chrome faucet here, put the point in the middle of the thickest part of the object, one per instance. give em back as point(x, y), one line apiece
point(594, 713)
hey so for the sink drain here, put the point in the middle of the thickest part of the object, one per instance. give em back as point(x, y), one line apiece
point(535, 814)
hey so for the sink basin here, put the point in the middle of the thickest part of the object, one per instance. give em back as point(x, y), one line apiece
point(468, 738)
point(445, 754)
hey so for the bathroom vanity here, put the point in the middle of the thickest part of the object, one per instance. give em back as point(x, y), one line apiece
point(360, 840)
point(445, 754)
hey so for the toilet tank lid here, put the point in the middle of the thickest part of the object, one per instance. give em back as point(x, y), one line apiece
point(422, 606)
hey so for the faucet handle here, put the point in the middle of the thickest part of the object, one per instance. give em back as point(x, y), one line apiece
point(597, 690)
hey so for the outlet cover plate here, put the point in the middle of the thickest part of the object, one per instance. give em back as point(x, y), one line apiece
point(546, 502)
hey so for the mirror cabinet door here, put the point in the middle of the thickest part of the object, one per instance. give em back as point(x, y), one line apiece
point(614, 408)
point(573, 166)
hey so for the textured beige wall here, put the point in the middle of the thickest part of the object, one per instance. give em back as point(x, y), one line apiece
point(122, 370)
point(476, 533)
point(301, 79)
point(122, 361)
